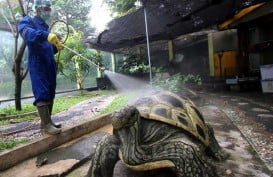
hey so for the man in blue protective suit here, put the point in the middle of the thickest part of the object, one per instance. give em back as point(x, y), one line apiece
point(42, 45)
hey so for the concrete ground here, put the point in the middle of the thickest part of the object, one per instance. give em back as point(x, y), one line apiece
point(242, 124)
point(230, 115)
point(252, 114)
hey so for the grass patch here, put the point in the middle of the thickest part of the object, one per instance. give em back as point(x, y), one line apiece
point(120, 101)
point(60, 104)
point(10, 110)
point(117, 103)
point(11, 143)
point(63, 103)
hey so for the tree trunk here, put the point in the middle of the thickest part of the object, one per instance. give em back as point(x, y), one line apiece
point(79, 76)
point(18, 87)
point(19, 76)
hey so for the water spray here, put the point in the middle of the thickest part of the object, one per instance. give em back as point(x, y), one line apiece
point(102, 69)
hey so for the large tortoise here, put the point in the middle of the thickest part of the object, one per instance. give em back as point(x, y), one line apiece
point(159, 130)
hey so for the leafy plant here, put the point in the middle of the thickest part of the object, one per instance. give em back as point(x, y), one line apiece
point(121, 7)
point(134, 64)
point(72, 65)
point(176, 82)
point(74, 12)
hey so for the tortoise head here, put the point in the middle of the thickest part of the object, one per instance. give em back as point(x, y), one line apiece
point(125, 117)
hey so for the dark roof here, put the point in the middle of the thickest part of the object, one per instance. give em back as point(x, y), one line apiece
point(167, 19)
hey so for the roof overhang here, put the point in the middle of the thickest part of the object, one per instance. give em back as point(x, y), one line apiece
point(247, 15)
point(167, 20)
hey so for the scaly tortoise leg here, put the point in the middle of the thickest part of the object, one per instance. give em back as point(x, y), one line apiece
point(105, 158)
point(187, 160)
point(214, 149)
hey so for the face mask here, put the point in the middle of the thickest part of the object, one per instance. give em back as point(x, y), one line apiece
point(45, 15)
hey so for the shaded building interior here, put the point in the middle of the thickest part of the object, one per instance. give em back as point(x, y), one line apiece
point(217, 40)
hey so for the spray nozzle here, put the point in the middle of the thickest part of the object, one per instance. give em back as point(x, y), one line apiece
point(102, 69)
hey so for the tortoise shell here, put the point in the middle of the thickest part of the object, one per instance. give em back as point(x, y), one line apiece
point(175, 110)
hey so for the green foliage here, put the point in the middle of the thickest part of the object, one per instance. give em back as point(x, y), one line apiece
point(2, 5)
point(74, 12)
point(134, 63)
point(121, 7)
point(11, 111)
point(6, 12)
point(11, 143)
point(72, 65)
point(176, 82)
point(63, 103)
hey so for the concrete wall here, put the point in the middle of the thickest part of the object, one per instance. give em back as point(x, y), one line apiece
point(223, 49)
point(225, 40)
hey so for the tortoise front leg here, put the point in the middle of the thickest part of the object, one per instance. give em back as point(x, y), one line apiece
point(105, 158)
point(214, 149)
point(187, 159)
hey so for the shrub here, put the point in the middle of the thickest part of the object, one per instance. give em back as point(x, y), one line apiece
point(176, 82)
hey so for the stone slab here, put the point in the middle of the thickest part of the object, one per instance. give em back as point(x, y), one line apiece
point(61, 160)
point(9, 158)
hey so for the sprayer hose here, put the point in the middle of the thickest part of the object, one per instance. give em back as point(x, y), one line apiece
point(75, 52)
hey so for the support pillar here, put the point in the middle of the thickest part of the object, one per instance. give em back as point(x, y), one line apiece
point(170, 48)
point(113, 60)
point(211, 58)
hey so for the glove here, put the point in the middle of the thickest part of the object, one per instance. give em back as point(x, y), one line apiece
point(59, 46)
point(53, 39)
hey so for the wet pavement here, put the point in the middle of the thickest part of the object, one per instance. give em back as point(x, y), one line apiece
point(239, 129)
point(242, 123)
point(58, 161)
point(252, 114)
point(234, 130)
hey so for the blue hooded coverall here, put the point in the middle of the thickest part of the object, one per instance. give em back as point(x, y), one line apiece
point(41, 62)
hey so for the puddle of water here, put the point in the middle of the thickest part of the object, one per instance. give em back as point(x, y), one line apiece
point(265, 115)
point(242, 104)
point(260, 110)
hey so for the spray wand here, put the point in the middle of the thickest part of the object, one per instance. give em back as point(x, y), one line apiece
point(62, 24)
point(75, 52)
